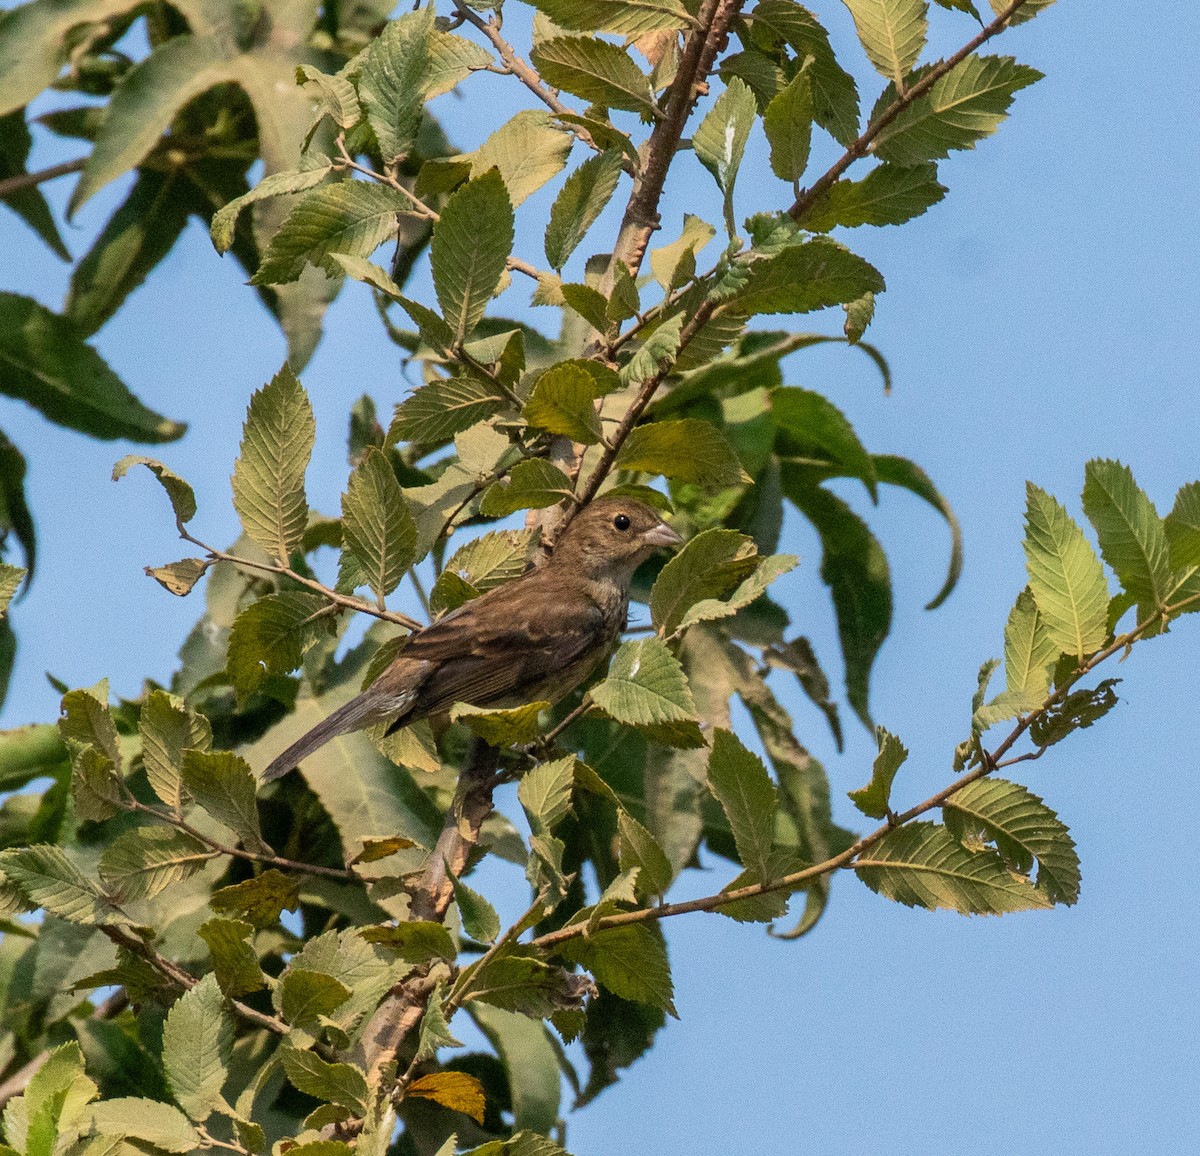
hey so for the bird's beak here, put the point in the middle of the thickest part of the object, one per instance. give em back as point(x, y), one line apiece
point(661, 535)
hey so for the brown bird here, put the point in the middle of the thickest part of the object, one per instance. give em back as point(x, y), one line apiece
point(537, 637)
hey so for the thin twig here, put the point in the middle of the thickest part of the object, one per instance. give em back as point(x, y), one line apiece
point(23, 181)
point(859, 148)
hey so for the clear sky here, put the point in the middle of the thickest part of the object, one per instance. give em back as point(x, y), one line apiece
point(1043, 314)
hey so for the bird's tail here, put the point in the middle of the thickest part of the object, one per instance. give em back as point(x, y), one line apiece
point(360, 711)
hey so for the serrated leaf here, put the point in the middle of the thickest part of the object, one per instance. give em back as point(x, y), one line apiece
point(163, 1127)
point(312, 171)
point(95, 785)
point(580, 201)
point(629, 961)
point(45, 363)
point(182, 496)
point(645, 686)
point(961, 108)
point(639, 850)
point(812, 428)
point(269, 638)
point(563, 402)
point(720, 139)
point(48, 879)
point(86, 721)
point(740, 783)
point(631, 18)
point(532, 484)
point(1132, 538)
point(1023, 829)
point(1182, 526)
point(455, 1090)
point(268, 476)
point(435, 1030)
point(304, 996)
point(1081, 708)
point(1026, 12)
point(674, 265)
point(1029, 652)
point(223, 784)
point(260, 900)
point(234, 963)
point(479, 918)
point(197, 1047)
point(353, 217)
point(1065, 576)
point(688, 450)
point(595, 70)
point(545, 793)
point(711, 565)
point(924, 865)
point(169, 727)
point(808, 276)
point(874, 800)
point(338, 1083)
point(390, 82)
point(338, 99)
point(748, 592)
point(888, 195)
point(788, 124)
point(470, 248)
point(512, 726)
point(11, 578)
point(142, 862)
point(892, 32)
point(179, 578)
point(434, 413)
point(528, 150)
point(379, 536)
point(417, 941)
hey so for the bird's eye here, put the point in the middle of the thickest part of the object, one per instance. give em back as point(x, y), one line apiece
point(622, 522)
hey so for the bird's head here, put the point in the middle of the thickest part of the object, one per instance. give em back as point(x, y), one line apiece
point(612, 537)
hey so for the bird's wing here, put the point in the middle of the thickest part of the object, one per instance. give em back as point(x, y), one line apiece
point(504, 644)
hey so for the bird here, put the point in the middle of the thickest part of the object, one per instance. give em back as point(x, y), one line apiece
point(534, 638)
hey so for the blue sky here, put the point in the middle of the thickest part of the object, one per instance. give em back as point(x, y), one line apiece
point(1043, 314)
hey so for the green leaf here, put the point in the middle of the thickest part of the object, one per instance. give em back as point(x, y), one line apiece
point(814, 429)
point(416, 941)
point(711, 609)
point(595, 70)
point(144, 104)
point(269, 638)
point(48, 879)
point(531, 484)
point(528, 150)
point(1029, 651)
point(887, 195)
point(312, 171)
point(897, 471)
point(379, 536)
point(95, 784)
point(260, 900)
point(1023, 829)
point(580, 201)
point(29, 203)
point(855, 568)
point(435, 1031)
point(479, 918)
point(304, 997)
point(924, 865)
point(808, 276)
point(874, 800)
point(338, 99)
point(720, 139)
point(158, 1125)
point(534, 1072)
point(1182, 526)
point(1026, 12)
point(1065, 576)
point(44, 362)
point(168, 727)
point(835, 95)
point(545, 793)
point(892, 32)
point(1079, 709)
point(234, 963)
point(513, 726)
point(674, 265)
point(631, 18)
point(646, 687)
point(470, 249)
point(434, 413)
point(11, 578)
point(337, 1083)
point(713, 564)
point(182, 496)
point(1131, 534)
point(389, 84)
point(962, 107)
point(629, 961)
point(490, 560)
point(740, 783)
point(268, 476)
point(223, 784)
point(351, 217)
point(563, 402)
point(197, 1047)
point(688, 450)
point(142, 862)
point(639, 850)
point(86, 721)
point(788, 124)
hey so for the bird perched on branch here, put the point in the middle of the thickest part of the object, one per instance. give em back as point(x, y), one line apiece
point(537, 637)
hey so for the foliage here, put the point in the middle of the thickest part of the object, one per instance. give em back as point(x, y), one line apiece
point(163, 873)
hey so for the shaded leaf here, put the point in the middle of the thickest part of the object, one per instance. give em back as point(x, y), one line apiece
point(629, 961)
point(1079, 709)
point(595, 70)
point(197, 1047)
point(501, 727)
point(455, 1090)
point(892, 32)
point(436, 412)
point(874, 800)
point(688, 450)
point(47, 878)
point(740, 783)
point(563, 402)
point(788, 124)
point(531, 484)
point(379, 536)
point(887, 195)
point(712, 565)
point(223, 784)
point(142, 862)
point(580, 201)
point(808, 276)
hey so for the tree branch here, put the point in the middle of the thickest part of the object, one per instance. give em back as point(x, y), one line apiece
point(23, 181)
